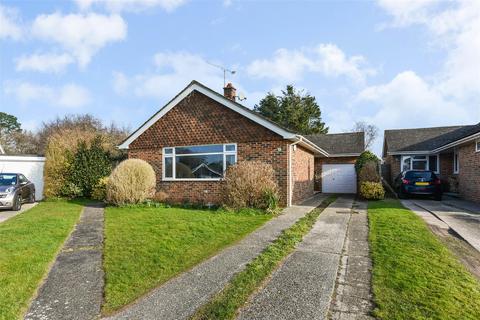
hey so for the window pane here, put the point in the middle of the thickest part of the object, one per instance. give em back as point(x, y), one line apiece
point(230, 147)
point(169, 167)
point(168, 150)
point(420, 175)
point(199, 167)
point(230, 159)
point(199, 149)
point(420, 157)
point(8, 179)
point(406, 163)
point(419, 165)
point(432, 163)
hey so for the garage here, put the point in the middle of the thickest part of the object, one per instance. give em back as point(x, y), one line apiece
point(30, 166)
point(339, 178)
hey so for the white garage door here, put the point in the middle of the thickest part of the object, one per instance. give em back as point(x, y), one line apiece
point(30, 167)
point(339, 178)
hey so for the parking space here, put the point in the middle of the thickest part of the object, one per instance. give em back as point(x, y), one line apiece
point(7, 214)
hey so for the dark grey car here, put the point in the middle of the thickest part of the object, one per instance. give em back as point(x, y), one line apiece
point(15, 189)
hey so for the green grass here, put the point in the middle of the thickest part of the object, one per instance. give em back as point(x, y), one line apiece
point(145, 247)
point(226, 303)
point(414, 275)
point(28, 243)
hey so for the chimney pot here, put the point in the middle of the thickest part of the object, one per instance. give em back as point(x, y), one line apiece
point(230, 92)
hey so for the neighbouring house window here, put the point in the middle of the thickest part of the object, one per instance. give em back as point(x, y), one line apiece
point(456, 165)
point(420, 162)
point(198, 162)
point(477, 145)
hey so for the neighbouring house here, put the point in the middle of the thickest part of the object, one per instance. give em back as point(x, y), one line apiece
point(193, 139)
point(452, 152)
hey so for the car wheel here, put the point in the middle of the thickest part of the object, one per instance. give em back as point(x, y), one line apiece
point(17, 203)
point(31, 199)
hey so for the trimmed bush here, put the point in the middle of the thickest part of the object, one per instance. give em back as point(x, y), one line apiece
point(132, 181)
point(250, 184)
point(369, 172)
point(365, 157)
point(372, 190)
point(99, 191)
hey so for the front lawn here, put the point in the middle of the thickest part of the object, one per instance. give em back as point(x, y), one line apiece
point(145, 247)
point(414, 275)
point(28, 244)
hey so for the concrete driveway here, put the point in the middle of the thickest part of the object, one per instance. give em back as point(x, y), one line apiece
point(7, 214)
point(464, 222)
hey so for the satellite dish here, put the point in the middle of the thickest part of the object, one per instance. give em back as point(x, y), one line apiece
point(241, 96)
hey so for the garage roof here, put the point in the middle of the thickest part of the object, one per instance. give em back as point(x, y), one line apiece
point(340, 144)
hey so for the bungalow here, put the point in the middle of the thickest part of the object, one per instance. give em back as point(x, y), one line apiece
point(199, 133)
point(451, 152)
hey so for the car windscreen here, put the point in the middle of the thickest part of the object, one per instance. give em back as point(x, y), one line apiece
point(427, 175)
point(8, 179)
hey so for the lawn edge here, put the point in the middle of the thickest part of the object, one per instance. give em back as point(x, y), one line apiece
point(111, 313)
point(204, 311)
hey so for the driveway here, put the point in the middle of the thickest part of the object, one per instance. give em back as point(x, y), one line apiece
point(465, 223)
point(7, 214)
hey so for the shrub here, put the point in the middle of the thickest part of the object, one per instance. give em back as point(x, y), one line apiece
point(369, 172)
point(372, 190)
point(132, 181)
point(99, 191)
point(90, 164)
point(365, 157)
point(250, 184)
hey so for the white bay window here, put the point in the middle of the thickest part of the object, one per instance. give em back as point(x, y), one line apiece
point(204, 162)
point(420, 162)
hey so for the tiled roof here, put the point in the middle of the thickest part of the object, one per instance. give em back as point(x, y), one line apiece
point(340, 143)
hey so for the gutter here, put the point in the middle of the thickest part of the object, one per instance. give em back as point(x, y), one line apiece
point(309, 145)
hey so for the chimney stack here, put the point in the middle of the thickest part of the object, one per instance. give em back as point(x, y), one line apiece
point(230, 92)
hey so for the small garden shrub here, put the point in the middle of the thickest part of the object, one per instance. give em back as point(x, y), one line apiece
point(369, 172)
point(250, 184)
point(365, 157)
point(99, 191)
point(132, 181)
point(372, 190)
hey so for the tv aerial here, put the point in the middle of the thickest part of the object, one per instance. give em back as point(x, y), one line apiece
point(225, 71)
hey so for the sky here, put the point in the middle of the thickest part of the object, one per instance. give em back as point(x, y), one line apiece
point(392, 63)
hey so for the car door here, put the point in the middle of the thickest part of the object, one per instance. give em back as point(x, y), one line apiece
point(24, 189)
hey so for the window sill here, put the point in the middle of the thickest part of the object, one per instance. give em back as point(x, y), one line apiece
point(191, 179)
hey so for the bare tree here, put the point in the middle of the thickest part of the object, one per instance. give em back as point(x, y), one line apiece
point(370, 130)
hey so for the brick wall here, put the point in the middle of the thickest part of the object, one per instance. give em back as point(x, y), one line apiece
point(469, 172)
point(302, 174)
point(394, 164)
point(198, 120)
point(318, 167)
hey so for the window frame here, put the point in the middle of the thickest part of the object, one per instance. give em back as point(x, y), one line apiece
point(477, 145)
point(426, 159)
point(173, 155)
point(456, 163)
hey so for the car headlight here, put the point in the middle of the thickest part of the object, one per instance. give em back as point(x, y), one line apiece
point(10, 190)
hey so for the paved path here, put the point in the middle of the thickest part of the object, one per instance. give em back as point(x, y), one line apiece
point(74, 286)
point(7, 214)
point(180, 297)
point(302, 287)
point(465, 224)
point(470, 206)
point(353, 298)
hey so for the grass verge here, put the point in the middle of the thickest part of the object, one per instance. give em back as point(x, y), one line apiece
point(28, 244)
point(414, 275)
point(225, 304)
point(145, 247)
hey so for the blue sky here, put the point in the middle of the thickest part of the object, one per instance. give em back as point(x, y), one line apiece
point(396, 64)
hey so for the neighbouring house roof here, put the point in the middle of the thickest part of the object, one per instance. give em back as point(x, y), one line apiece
point(427, 139)
point(340, 144)
point(235, 106)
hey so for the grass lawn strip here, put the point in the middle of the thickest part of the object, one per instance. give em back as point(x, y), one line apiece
point(414, 275)
point(145, 247)
point(226, 303)
point(29, 242)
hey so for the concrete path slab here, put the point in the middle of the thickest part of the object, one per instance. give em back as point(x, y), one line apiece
point(74, 286)
point(467, 225)
point(464, 205)
point(7, 214)
point(302, 287)
point(180, 297)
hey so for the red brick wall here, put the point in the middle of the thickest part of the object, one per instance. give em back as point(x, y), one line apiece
point(302, 174)
point(469, 172)
point(394, 164)
point(198, 120)
point(318, 167)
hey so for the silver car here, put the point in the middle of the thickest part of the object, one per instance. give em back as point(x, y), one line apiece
point(15, 189)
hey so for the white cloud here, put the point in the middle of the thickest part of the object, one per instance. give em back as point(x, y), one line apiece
point(69, 95)
point(131, 5)
point(49, 62)
point(82, 35)
point(120, 82)
point(325, 59)
point(10, 23)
